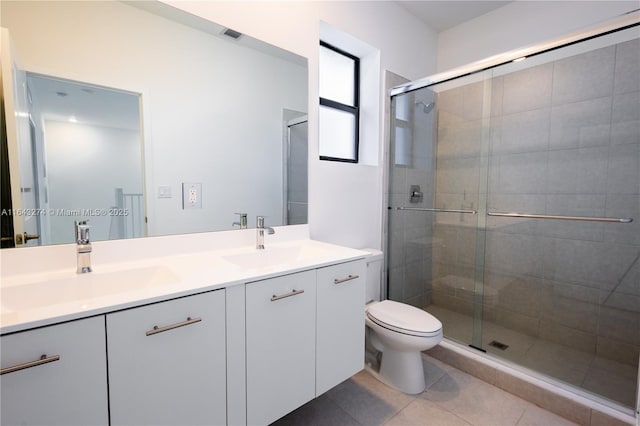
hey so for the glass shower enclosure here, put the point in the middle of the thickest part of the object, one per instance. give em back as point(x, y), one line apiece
point(514, 209)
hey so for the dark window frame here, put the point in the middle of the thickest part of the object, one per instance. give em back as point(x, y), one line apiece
point(351, 109)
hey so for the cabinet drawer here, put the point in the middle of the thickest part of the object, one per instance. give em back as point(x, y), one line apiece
point(280, 345)
point(167, 362)
point(340, 323)
point(69, 389)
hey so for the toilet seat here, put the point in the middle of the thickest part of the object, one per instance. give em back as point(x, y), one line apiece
point(404, 319)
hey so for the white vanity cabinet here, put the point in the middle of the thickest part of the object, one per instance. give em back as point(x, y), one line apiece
point(280, 351)
point(167, 362)
point(340, 323)
point(240, 338)
point(55, 375)
point(304, 335)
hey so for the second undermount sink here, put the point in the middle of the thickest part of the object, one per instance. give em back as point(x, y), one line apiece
point(43, 291)
point(277, 256)
point(270, 256)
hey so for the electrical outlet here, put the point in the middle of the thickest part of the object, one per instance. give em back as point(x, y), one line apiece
point(191, 196)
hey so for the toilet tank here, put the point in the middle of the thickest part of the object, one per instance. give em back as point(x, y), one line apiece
point(374, 275)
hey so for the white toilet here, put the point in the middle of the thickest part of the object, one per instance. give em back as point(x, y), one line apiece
point(399, 331)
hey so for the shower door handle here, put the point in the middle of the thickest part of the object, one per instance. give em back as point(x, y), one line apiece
point(546, 216)
point(418, 209)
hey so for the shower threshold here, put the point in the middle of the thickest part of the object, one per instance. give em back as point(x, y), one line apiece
point(584, 372)
point(553, 395)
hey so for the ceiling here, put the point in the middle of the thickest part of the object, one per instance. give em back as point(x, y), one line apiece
point(64, 100)
point(441, 15)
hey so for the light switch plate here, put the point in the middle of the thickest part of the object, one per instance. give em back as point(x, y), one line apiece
point(164, 191)
point(191, 196)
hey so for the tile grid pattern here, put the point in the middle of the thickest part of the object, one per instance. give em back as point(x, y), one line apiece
point(565, 139)
point(452, 398)
point(602, 376)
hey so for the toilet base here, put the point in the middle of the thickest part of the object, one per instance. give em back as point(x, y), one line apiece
point(402, 371)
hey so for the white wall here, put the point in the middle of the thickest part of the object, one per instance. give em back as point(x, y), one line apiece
point(521, 24)
point(345, 200)
point(77, 182)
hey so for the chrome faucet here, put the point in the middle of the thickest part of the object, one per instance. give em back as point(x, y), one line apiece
point(83, 247)
point(260, 232)
point(242, 223)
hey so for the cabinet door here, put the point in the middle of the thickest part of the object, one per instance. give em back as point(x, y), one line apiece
point(167, 362)
point(67, 382)
point(280, 345)
point(340, 323)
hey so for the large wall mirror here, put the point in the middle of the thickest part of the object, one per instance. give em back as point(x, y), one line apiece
point(146, 121)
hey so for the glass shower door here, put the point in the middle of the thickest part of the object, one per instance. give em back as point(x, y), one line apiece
point(562, 251)
point(437, 203)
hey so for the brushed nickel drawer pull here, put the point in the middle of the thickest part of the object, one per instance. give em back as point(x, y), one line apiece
point(157, 329)
point(349, 278)
point(293, 292)
point(44, 359)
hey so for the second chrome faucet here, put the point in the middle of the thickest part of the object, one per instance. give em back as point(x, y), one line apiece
point(260, 230)
point(83, 247)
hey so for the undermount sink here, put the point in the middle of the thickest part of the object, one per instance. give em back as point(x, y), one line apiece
point(279, 255)
point(270, 256)
point(82, 288)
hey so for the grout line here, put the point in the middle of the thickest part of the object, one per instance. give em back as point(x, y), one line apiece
point(529, 404)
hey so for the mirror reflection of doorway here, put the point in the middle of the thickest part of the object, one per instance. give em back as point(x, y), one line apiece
point(86, 155)
point(297, 161)
point(6, 222)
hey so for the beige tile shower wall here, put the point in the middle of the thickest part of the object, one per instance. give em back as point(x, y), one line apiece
point(564, 140)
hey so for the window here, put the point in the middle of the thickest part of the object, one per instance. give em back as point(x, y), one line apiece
point(339, 104)
point(403, 136)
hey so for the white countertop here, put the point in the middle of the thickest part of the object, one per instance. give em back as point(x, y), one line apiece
point(35, 299)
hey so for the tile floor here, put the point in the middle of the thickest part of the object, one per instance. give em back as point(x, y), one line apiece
point(452, 398)
point(601, 376)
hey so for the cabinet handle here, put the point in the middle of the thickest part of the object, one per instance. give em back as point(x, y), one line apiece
point(293, 292)
point(43, 360)
point(157, 329)
point(349, 278)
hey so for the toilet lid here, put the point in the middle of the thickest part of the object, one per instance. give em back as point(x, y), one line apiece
point(404, 318)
